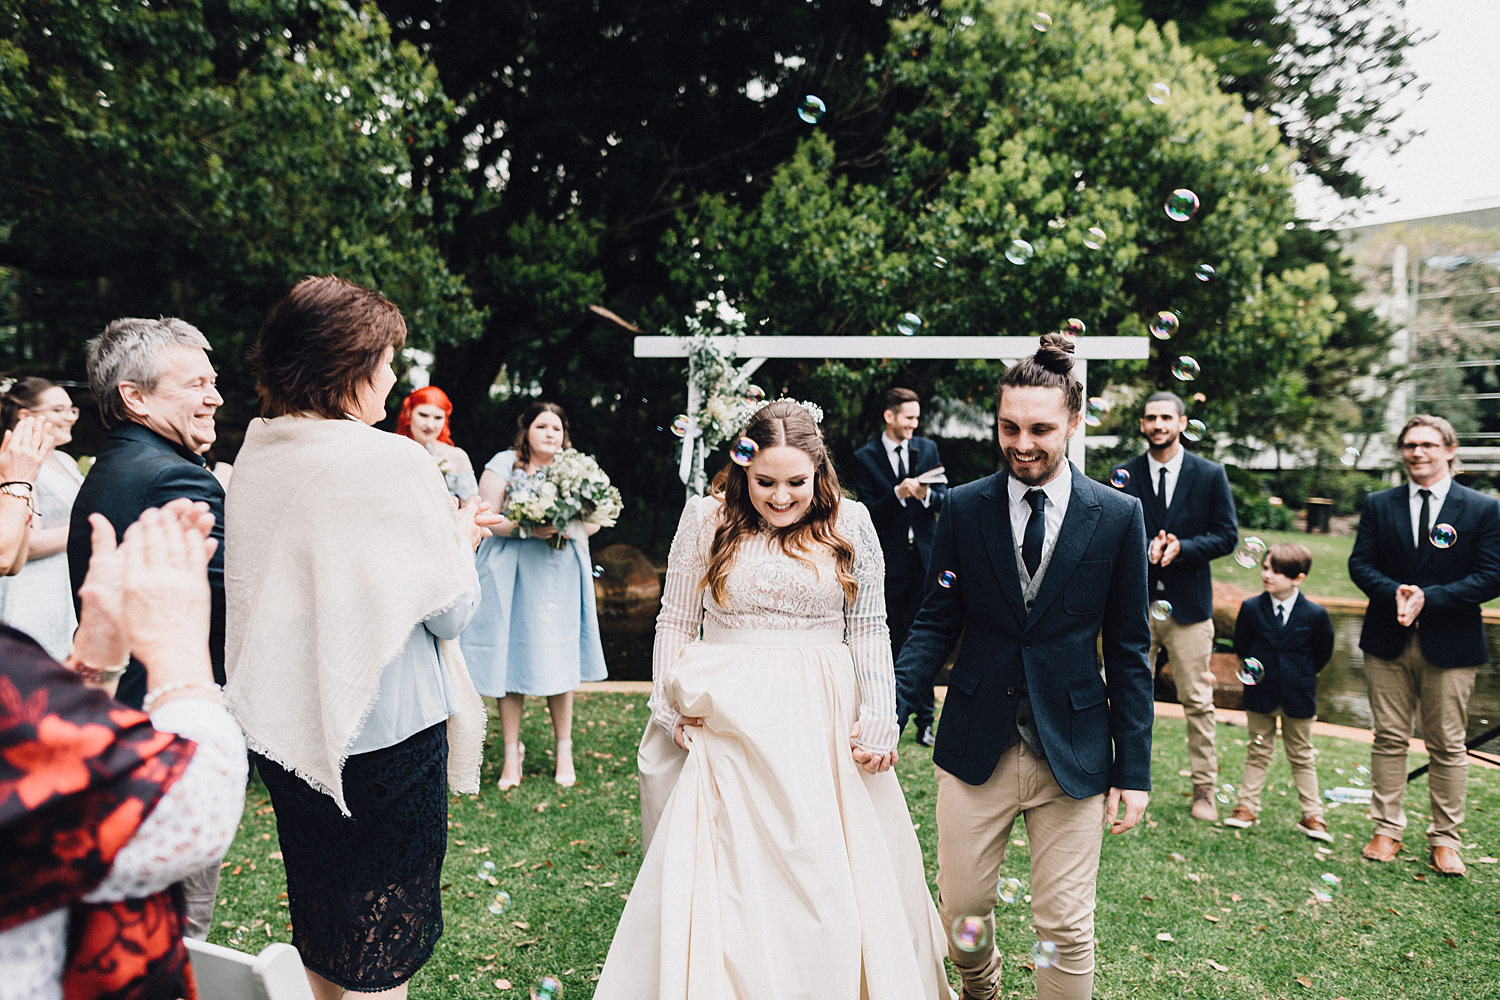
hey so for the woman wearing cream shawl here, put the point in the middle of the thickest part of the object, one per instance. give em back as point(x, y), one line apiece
point(349, 574)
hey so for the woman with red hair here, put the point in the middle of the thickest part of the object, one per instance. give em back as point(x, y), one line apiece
point(424, 418)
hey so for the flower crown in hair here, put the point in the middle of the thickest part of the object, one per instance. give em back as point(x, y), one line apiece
point(813, 409)
point(6, 385)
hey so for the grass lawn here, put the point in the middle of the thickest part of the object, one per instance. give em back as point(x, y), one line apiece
point(1184, 909)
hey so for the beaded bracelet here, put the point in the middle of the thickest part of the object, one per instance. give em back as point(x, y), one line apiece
point(157, 693)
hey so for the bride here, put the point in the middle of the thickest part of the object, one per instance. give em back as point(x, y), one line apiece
point(780, 858)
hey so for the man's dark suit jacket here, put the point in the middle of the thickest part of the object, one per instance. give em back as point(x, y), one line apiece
point(1095, 731)
point(1455, 581)
point(138, 468)
point(1292, 654)
point(1202, 517)
point(875, 484)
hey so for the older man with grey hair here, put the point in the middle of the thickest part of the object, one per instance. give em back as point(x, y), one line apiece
point(155, 389)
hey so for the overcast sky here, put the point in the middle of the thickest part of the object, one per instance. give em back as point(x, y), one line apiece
point(1455, 164)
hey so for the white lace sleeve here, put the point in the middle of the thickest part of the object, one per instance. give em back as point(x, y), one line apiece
point(681, 613)
point(194, 822)
point(868, 635)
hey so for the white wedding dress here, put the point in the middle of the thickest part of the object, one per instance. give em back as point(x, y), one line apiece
point(775, 867)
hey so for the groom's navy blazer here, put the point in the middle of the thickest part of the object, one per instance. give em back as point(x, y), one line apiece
point(875, 484)
point(1455, 581)
point(1201, 515)
point(1095, 726)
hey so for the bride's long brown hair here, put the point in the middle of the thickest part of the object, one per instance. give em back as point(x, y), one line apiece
point(782, 423)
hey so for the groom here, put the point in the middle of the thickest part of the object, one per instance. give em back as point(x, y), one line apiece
point(1030, 567)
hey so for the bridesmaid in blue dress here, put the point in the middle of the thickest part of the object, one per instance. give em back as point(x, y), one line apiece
point(536, 631)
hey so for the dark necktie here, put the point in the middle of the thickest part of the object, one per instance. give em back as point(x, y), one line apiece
point(1281, 616)
point(900, 462)
point(1424, 523)
point(1036, 531)
point(1161, 492)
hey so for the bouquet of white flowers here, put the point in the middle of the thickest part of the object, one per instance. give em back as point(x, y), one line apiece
point(572, 488)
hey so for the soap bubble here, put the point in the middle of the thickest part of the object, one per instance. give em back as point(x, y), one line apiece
point(947, 578)
point(1181, 205)
point(1093, 413)
point(1158, 92)
point(1019, 252)
point(1119, 479)
point(1251, 552)
point(1328, 886)
point(499, 903)
point(1186, 368)
point(1225, 794)
point(754, 394)
point(546, 988)
point(743, 452)
point(1043, 954)
point(908, 324)
point(1442, 536)
point(1161, 610)
point(1009, 890)
point(486, 871)
point(598, 571)
point(811, 109)
point(1164, 324)
point(1041, 22)
point(970, 934)
point(1195, 430)
point(939, 261)
point(680, 425)
point(1251, 671)
point(1204, 272)
point(1350, 457)
point(1075, 327)
point(1094, 238)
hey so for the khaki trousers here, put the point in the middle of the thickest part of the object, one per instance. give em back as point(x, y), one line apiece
point(1188, 650)
point(1065, 834)
point(1399, 689)
point(1296, 738)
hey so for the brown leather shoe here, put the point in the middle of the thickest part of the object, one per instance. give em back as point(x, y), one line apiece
point(1203, 804)
point(1242, 818)
point(1445, 861)
point(1382, 848)
point(1315, 828)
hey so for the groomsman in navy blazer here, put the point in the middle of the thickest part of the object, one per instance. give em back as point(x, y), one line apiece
point(1428, 555)
point(1042, 573)
point(905, 515)
point(1189, 522)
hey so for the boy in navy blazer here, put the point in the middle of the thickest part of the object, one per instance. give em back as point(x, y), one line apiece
point(1428, 555)
point(1283, 640)
point(1042, 573)
point(905, 514)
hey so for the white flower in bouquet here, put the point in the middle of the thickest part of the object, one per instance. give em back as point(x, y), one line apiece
point(572, 488)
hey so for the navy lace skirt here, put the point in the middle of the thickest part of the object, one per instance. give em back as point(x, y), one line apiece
point(365, 889)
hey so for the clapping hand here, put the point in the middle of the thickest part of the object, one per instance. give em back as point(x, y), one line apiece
point(24, 448)
point(1409, 603)
point(475, 519)
point(1163, 549)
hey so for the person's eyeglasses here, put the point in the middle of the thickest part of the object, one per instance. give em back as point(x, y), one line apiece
point(60, 410)
point(1421, 445)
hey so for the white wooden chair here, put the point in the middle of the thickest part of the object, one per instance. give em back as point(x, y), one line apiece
point(225, 974)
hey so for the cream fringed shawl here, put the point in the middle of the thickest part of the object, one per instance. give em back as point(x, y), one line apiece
point(339, 540)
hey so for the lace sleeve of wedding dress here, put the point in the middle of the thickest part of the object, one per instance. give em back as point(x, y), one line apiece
point(681, 604)
point(194, 823)
point(868, 635)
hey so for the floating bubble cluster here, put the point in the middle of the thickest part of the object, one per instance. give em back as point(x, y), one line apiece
point(754, 394)
point(1195, 430)
point(811, 109)
point(1019, 252)
point(1181, 205)
point(1158, 92)
point(547, 988)
point(1094, 238)
point(1186, 368)
point(1075, 327)
point(1442, 536)
point(1164, 324)
point(1225, 794)
point(1328, 886)
point(1251, 671)
point(1044, 954)
point(1161, 610)
point(1041, 22)
point(1250, 552)
point(939, 261)
point(908, 324)
point(486, 871)
point(1204, 272)
point(947, 578)
point(1009, 890)
point(499, 903)
point(743, 452)
point(680, 425)
point(970, 934)
point(1119, 479)
point(598, 571)
point(1095, 410)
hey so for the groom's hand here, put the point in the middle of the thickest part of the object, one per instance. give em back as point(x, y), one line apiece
point(1134, 799)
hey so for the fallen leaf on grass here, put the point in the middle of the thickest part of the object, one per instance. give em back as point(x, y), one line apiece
point(275, 856)
point(1304, 981)
point(1217, 967)
point(1165, 936)
point(502, 984)
point(1212, 918)
point(1449, 943)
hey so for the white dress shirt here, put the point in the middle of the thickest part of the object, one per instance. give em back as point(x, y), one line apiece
point(1285, 607)
point(1439, 491)
point(1173, 466)
point(891, 447)
point(1058, 490)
